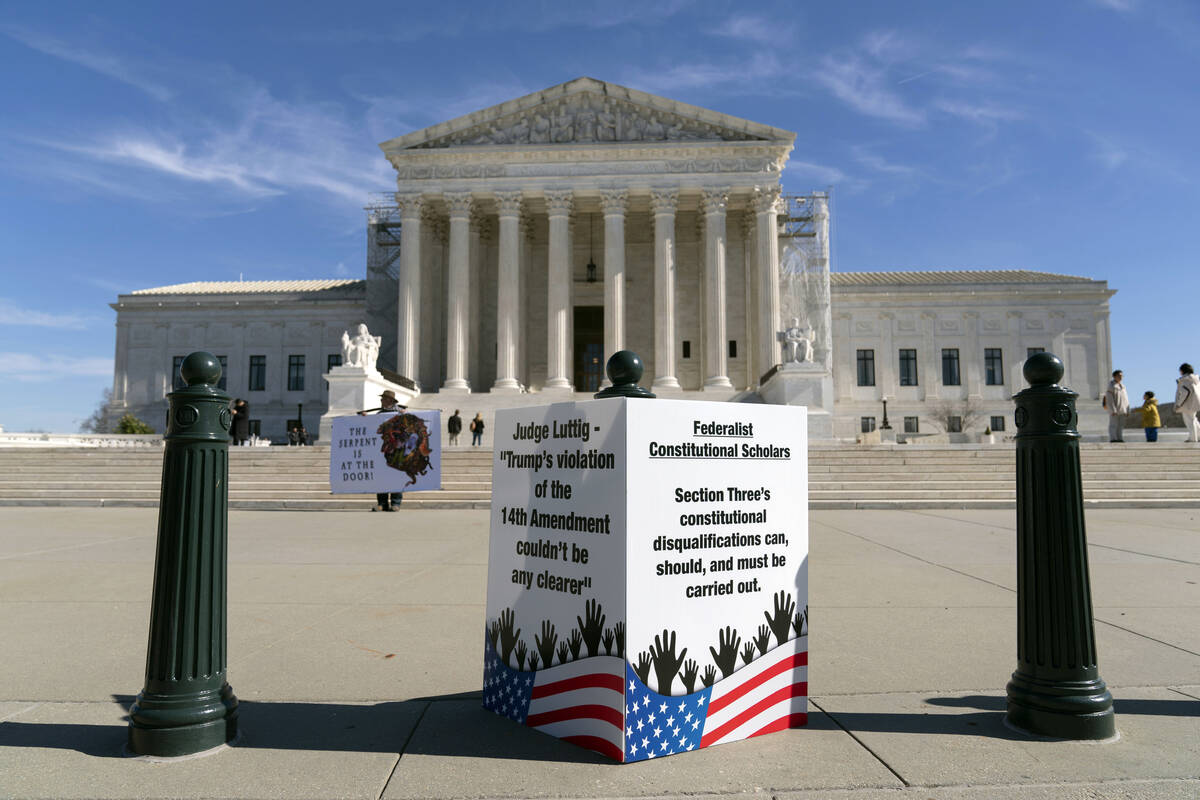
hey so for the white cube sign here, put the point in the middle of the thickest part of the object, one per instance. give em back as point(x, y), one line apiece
point(648, 573)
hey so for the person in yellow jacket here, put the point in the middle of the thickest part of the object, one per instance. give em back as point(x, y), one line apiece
point(1150, 420)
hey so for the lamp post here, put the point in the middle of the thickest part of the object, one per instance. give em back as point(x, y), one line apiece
point(885, 425)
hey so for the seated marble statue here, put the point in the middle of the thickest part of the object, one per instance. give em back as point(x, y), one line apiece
point(361, 351)
point(797, 345)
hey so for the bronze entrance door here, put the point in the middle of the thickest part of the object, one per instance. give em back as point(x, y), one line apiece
point(589, 348)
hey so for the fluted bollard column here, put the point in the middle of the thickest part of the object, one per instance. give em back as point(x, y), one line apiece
point(187, 706)
point(624, 370)
point(1056, 690)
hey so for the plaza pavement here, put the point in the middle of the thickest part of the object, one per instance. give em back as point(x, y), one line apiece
point(354, 648)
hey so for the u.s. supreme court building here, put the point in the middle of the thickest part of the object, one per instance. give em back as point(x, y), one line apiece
point(528, 241)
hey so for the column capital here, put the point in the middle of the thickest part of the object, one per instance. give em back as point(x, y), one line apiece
point(460, 204)
point(559, 202)
point(614, 201)
point(766, 199)
point(714, 201)
point(664, 201)
point(478, 219)
point(526, 223)
point(509, 203)
point(410, 203)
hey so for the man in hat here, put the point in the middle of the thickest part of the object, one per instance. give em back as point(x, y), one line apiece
point(387, 403)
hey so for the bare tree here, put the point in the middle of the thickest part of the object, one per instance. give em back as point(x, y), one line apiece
point(968, 411)
point(98, 422)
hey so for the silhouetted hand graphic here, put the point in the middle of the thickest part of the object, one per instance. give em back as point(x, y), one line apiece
point(593, 628)
point(563, 652)
point(666, 663)
point(533, 661)
point(508, 637)
point(710, 675)
point(726, 658)
point(748, 652)
point(642, 668)
point(763, 640)
point(575, 642)
point(545, 642)
point(522, 651)
point(609, 638)
point(619, 630)
point(784, 606)
point(690, 671)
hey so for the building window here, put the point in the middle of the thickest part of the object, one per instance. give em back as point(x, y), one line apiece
point(954, 425)
point(868, 424)
point(223, 383)
point(733, 348)
point(866, 368)
point(687, 349)
point(912, 425)
point(997, 424)
point(950, 367)
point(177, 381)
point(295, 381)
point(1033, 351)
point(257, 377)
point(908, 367)
point(993, 365)
point(334, 360)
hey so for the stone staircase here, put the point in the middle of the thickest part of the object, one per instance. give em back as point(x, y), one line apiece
point(1163, 475)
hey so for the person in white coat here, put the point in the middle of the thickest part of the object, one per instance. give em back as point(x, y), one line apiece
point(1116, 400)
point(1187, 400)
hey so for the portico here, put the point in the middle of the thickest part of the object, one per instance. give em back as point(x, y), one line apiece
point(503, 210)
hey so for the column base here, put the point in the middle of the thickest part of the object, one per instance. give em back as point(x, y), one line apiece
point(458, 386)
point(507, 386)
point(1061, 709)
point(665, 382)
point(558, 383)
point(170, 725)
point(719, 382)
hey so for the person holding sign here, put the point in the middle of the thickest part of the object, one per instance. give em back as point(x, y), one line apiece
point(385, 501)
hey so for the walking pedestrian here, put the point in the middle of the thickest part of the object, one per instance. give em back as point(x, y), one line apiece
point(1187, 400)
point(477, 430)
point(1150, 419)
point(454, 427)
point(1116, 400)
point(241, 422)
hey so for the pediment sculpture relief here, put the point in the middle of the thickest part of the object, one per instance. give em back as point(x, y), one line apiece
point(589, 118)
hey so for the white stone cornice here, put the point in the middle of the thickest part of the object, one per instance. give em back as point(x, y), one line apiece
point(614, 201)
point(460, 204)
point(664, 201)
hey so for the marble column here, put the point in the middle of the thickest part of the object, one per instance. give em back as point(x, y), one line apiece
point(458, 341)
point(408, 305)
point(766, 205)
point(664, 205)
point(715, 361)
point(558, 291)
point(614, 204)
point(507, 322)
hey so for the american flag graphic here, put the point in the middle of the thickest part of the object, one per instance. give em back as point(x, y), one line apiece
point(581, 702)
point(586, 702)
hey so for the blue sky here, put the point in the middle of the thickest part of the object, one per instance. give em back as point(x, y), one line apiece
point(147, 144)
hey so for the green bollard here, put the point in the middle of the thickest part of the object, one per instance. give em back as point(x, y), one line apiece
point(1056, 690)
point(624, 370)
point(186, 706)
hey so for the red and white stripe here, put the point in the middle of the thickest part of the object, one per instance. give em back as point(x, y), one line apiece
point(768, 694)
point(582, 702)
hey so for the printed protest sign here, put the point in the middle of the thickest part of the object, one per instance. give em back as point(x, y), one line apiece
point(648, 573)
point(386, 453)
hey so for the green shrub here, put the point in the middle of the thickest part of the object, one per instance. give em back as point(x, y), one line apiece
point(131, 424)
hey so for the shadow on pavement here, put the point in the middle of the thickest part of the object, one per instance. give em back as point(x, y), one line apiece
point(1183, 707)
point(445, 725)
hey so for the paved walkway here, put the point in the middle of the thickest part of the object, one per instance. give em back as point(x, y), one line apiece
point(354, 649)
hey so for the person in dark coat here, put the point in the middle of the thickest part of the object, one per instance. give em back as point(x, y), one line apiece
point(241, 422)
point(454, 427)
point(477, 430)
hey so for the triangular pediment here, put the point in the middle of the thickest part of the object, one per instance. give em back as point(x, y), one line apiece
point(587, 111)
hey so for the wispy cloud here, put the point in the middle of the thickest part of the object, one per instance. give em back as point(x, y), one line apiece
point(1123, 6)
point(13, 314)
point(28, 368)
point(1106, 152)
point(987, 114)
point(756, 29)
point(758, 72)
point(104, 64)
point(864, 85)
point(878, 163)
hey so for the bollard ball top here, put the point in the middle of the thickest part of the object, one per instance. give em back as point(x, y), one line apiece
point(200, 367)
point(624, 367)
point(1043, 369)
